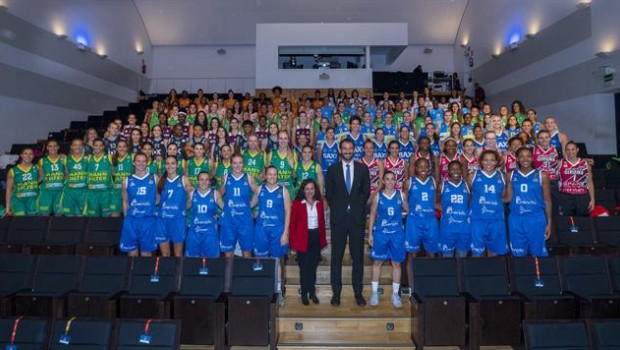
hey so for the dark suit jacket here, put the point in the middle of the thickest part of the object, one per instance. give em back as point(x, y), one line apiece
point(339, 199)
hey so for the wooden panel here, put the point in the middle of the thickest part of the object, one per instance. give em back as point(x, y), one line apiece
point(323, 273)
point(343, 338)
point(359, 325)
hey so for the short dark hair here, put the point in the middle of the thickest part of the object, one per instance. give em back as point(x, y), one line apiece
point(300, 193)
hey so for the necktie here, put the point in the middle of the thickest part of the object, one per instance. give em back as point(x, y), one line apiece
point(347, 178)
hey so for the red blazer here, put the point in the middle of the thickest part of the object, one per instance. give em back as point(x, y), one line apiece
point(298, 229)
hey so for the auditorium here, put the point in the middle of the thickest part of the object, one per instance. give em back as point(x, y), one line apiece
point(309, 175)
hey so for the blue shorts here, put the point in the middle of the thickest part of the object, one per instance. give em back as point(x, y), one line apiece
point(170, 230)
point(267, 242)
point(527, 235)
point(138, 233)
point(202, 244)
point(388, 246)
point(235, 232)
point(421, 231)
point(490, 235)
point(454, 235)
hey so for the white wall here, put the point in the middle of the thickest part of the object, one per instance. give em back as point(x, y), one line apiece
point(442, 58)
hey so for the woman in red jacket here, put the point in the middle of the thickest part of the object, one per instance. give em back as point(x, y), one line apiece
point(307, 236)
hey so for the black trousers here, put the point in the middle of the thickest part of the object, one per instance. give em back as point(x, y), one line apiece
point(309, 262)
point(355, 236)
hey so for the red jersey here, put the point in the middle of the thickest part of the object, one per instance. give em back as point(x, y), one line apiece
point(398, 168)
point(472, 164)
point(573, 177)
point(444, 161)
point(511, 162)
point(428, 157)
point(547, 161)
point(373, 170)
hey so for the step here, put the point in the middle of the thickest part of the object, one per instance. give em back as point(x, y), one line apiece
point(360, 325)
point(323, 274)
point(327, 253)
point(210, 347)
point(344, 340)
point(294, 308)
point(325, 291)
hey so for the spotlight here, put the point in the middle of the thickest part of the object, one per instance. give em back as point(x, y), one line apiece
point(83, 47)
point(62, 37)
point(102, 56)
point(602, 54)
point(428, 51)
point(496, 56)
point(140, 52)
point(530, 36)
point(513, 46)
point(323, 76)
point(584, 4)
point(221, 51)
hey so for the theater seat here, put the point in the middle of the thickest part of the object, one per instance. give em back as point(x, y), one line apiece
point(608, 232)
point(556, 335)
point(580, 242)
point(148, 334)
point(606, 334)
point(23, 233)
point(81, 334)
point(101, 237)
point(15, 276)
point(64, 233)
point(30, 333)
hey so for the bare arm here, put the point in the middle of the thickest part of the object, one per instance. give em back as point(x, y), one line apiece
point(372, 218)
point(188, 202)
point(10, 183)
point(287, 217)
point(508, 191)
point(124, 195)
point(590, 185)
point(405, 203)
point(319, 176)
point(254, 200)
point(546, 187)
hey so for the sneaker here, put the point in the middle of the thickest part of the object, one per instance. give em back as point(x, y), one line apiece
point(396, 302)
point(374, 299)
point(281, 299)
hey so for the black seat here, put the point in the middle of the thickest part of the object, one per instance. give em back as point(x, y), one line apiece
point(252, 307)
point(103, 280)
point(197, 306)
point(578, 234)
point(30, 333)
point(614, 262)
point(64, 233)
point(153, 280)
point(81, 334)
point(607, 198)
point(494, 312)
point(101, 237)
point(588, 278)
point(148, 334)
point(24, 232)
point(556, 335)
point(541, 291)
point(608, 232)
point(438, 304)
point(605, 334)
point(55, 276)
point(16, 275)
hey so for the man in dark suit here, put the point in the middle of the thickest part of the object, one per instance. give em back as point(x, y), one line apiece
point(347, 188)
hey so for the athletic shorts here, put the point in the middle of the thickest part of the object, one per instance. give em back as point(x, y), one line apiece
point(573, 205)
point(23, 206)
point(72, 201)
point(138, 233)
point(267, 242)
point(421, 232)
point(488, 235)
point(388, 246)
point(454, 236)
point(527, 235)
point(202, 244)
point(98, 203)
point(49, 202)
point(170, 230)
point(236, 232)
point(116, 201)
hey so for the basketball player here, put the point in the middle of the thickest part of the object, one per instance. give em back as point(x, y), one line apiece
point(202, 238)
point(22, 186)
point(52, 174)
point(576, 185)
point(73, 196)
point(455, 225)
point(99, 180)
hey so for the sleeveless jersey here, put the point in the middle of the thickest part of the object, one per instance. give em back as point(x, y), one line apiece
point(358, 144)
point(53, 173)
point(152, 168)
point(368, 130)
point(221, 170)
point(26, 181)
point(527, 196)
point(574, 177)
point(180, 166)
point(173, 199)
point(398, 168)
point(285, 169)
point(428, 157)
point(556, 143)
point(478, 144)
point(405, 150)
point(304, 173)
point(421, 197)
point(512, 132)
point(320, 139)
point(159, 149)
point(141, 195)
point(472, 164)
point(122, 170)
point(389, 131)
point(204, 211)
point(511, 162)
point(380, 151)
point(237, 198)
point(487, 195)
point(329, 155)
point(547, 161)
point(436, 149)
point(272, 145)
point(444, 161)
point(77, 171)
point(253, 165)
point(194, 168)
point(301, 130)
point(389, 213)
point(373, 171)
point(99, 172)
point(270, 207)
point(455, 203)
point(502, 142)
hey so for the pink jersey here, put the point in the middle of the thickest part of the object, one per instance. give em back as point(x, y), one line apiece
point(547, 161)
point(373, 170)
point(444, 161)
point(428, 157)
point(472, 164)
point(574, 177)
point(398, 168)
point(511, 162)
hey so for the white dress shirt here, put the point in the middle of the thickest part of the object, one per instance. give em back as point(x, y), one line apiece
point(313, 216)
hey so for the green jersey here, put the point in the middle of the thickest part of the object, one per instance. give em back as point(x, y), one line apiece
point(76, 171)
point(122, 170)
point(53, 173)
point(161, 165)
point(222, 170)
point(285, 169)
point(253, 164)
point(152, 167)
point(194, 168)
point(99, 172)
point(26, 181)
point(309, 172)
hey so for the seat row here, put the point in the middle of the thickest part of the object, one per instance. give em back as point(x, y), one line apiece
point(570, 334)
point(28, 333)
point(211, 297)
point(477, 302)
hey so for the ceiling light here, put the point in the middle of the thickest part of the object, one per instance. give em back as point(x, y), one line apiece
point(513, 46)
point(602, 54)
point(3, 8)
point(584, 4)
point(530, 36)
point(221, 51)
point(62, 37)
point(140, 52)
point(428, 50)
point(83, 47)
point(463, 45)
point(495, 55)
point(102, 56)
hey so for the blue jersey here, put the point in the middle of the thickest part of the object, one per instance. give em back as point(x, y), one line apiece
point(389, 130)
point(556, 143)
point(436, 114)
point(368, 129)
point(380, 150)
point(389, 213)
point(478, 144)
point(527, 193)
point(421, 197)
point(444, 131)
point(173, 199)
point(329, 155)
point(270, 207)
point(358, 143)
point(204, 212)
point(141, 195)
point(237, 198)
point(467, 131)
point(341, 129)
point(502, 142)
point(326, 112)
point(487, 191)
point(406, 150)
point(454, 203)
point(320, 139)
point(436, 149)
